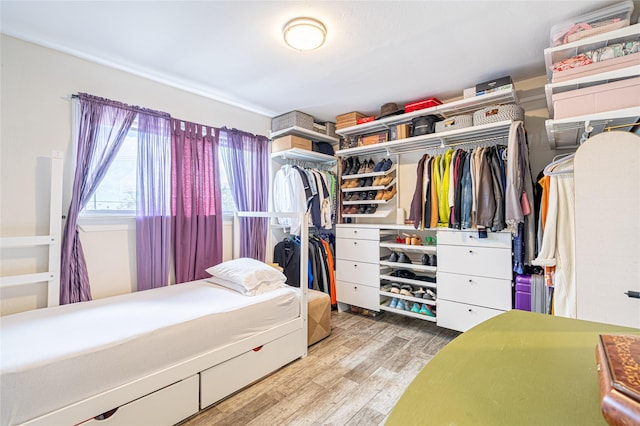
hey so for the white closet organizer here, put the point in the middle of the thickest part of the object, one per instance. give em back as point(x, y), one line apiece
point(474, 290)
point(566, 133)
point(52, 241)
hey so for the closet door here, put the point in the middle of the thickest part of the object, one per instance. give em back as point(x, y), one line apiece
point(607, 185)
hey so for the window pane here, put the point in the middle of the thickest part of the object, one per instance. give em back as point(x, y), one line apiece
point(117, 191)
point(228, 205)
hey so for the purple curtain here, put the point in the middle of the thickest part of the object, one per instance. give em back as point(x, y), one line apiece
point(103, 126)
point(153, 202)
point(246, 158)
point(195, 200)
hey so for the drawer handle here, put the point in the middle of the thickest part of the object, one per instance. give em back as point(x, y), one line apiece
point(471, 281)
point(257, 349)
point(355, 243)
point(470, 310)
point(470, 251)
point(106, 414)
point(355, 287)
point(355, 265)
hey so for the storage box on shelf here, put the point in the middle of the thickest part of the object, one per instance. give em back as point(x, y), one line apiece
point(566, 129)
point(474, 277)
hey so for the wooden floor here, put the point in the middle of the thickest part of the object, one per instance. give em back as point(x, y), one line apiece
point(353, 377)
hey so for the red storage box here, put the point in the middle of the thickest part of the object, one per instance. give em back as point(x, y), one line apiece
point(603, 97)
point(425, 103)
point(366, 119)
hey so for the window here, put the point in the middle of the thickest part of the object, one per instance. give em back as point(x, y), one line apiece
point(116, 194)
point(117, 191)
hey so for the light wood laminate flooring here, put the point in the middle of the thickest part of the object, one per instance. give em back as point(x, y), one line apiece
point(353, 377)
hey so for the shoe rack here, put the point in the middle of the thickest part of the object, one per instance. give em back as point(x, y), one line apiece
point(408, 266)
point(368, 190)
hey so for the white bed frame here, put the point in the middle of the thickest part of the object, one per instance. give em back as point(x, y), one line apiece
point(179, 391)
point(52, 240)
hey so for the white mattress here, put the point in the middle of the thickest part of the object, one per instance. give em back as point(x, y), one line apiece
point(56, 356)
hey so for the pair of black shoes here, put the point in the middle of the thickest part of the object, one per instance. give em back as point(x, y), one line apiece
point(429, 260)
point(367, 209)
point(364, 182)
point(351, 166)
point(399, 258)
point(383, 165)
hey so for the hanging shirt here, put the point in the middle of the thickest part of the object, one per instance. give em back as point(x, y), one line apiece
point(289, 196)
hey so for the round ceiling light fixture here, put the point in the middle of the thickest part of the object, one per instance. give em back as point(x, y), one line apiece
point(304, 33)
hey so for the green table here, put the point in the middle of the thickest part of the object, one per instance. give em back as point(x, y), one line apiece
point(519, 368)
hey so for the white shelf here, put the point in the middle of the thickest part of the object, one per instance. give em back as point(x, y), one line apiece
point(347, 203)
point(433, 140)
point(420, 248)
point(408, 281)
point(412, 266)
point(302, 155)
point(407, 313)
point(372, 174)
point(463, 106)
point(566, 51)
point(565, 133)
point(577, 83)
point(305, 133)
point(411, 298)
point(369, 188)
point(379, 214)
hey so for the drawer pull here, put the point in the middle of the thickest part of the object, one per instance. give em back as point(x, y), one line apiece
point(106, 414)
point(470, 251)
point(355, 243)
point(355, 265)
point(355, 287)
point(257, 349)
point(470, 310)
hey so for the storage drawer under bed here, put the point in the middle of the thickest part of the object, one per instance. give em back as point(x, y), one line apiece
point(166, 406)
point(232, 375)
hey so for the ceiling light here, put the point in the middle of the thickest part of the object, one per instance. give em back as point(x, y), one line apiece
point(304, 33)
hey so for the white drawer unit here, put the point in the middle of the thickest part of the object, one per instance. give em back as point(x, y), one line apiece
point(357, 233)
point(474, 277)
point(166, 406)
point(357, 250)
point(477, 261)
point(358, 272)
point(480, 291)
point(462, 316)
point(471, 238)
point(360, 295)
point(357, 266)
point(234, 374)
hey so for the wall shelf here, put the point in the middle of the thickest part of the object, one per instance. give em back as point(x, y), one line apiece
point(433, 140)
point(305, 133)
point(302, 155)
point(462, 106)
point(566, 133)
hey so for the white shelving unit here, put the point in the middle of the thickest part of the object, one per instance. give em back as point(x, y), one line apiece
point(463, 106)
point(305, 133)
point(302, 155)
point(468, 134)
point(566, 133)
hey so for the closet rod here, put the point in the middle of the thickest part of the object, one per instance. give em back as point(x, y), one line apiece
point(637, 123)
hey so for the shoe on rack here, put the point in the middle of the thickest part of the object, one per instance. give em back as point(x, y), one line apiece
point(371, 195)
point(376, 181)
point(368, 182)
point(406, 290)
point(403, 273)
point(434, 260)
point(355, 167)
point(380, 194)
point(387, 165)
point(363, 167)
point(378, 166)
point(363, 209)
point(347, 165)
point(427, 310)
point(393, 257)
point(419, 293)
point(394, 303)
point(371, 209)
point(370, 166)
point(347, 196)
point(425, 259)
point(415, 309)
point(403, 258)
point(389, 193)
point(353, 209)
point(395, 288)
point(401, 305)
point(429, 294)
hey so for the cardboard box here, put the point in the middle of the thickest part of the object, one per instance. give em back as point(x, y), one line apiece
point(288, 142)
point(400, 131)
point(349, 119)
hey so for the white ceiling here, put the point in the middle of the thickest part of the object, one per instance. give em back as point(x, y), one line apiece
point(376, 51)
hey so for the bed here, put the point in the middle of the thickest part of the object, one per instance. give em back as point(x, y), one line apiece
point(152, 357)
point(517, 368)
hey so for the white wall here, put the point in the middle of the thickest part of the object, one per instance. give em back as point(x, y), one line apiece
point(36, 84)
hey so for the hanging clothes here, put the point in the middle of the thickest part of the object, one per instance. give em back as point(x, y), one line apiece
point(289, 196)
point(558, 242)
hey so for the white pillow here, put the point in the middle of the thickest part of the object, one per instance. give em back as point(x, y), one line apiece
point(247, 272)
point(263, 288)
